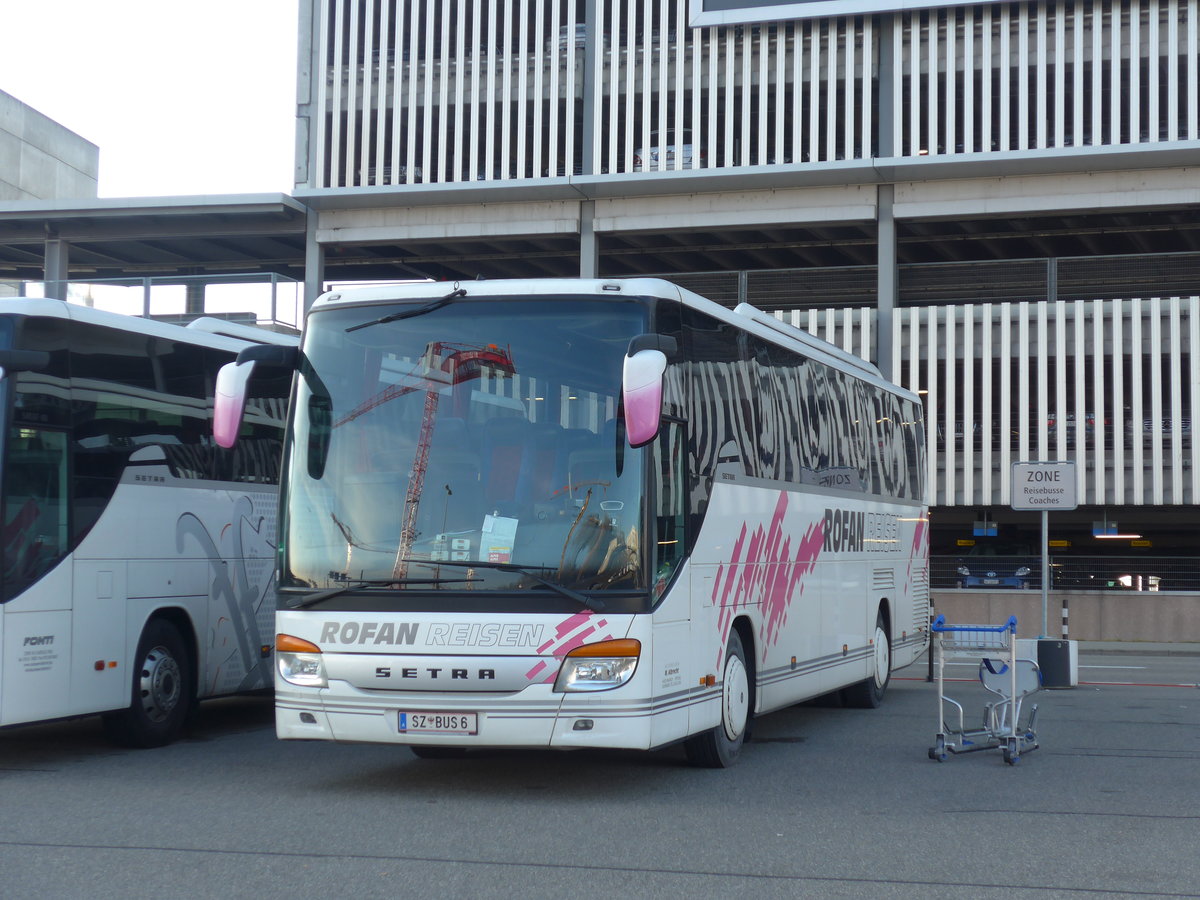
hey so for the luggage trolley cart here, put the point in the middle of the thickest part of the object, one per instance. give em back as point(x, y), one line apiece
point(1001, 673)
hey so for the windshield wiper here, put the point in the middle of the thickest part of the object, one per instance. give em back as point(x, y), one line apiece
point(415, 311)
point(319, 596)
point(582, 599)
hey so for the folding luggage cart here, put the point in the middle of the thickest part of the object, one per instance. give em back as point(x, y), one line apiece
point(1000, 673)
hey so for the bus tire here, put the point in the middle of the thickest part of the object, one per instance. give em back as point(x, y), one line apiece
point(161, 691)
point(720, 747)
point(868, 694)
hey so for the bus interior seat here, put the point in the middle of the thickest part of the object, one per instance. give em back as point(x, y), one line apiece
point(453, 473)
point(504, 445)
point(594, 468)
point(573, 441)
point(540, 463)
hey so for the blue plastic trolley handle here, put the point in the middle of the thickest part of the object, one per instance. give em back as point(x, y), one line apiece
point(939, 624)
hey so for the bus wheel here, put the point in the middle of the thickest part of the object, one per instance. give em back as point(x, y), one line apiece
point(162, 691)
point(719, 748)
point(868, 694)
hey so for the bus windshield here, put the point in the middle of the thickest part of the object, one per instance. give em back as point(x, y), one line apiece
point(464, 446)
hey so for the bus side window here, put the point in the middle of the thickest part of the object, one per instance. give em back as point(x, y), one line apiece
point(35, 498)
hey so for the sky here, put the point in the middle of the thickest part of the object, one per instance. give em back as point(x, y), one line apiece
point(182, 98)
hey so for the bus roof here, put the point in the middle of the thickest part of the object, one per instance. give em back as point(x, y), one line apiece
point(208, 331)
point(745, 316)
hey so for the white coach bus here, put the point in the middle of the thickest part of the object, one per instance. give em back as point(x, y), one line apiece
point(138, 557)
point(583, 513)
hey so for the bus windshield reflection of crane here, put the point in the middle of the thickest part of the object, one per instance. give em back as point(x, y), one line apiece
point(442, 365)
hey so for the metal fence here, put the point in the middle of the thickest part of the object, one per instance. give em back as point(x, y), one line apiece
point(1087, 573)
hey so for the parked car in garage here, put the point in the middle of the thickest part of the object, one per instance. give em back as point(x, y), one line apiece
point(998, 567)
point(1089, 426)
point(663, 152)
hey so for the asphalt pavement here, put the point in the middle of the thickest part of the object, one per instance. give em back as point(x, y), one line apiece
point(826, 801)
point(1149, 648)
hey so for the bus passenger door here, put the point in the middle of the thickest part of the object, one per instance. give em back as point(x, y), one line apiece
point(670, 583)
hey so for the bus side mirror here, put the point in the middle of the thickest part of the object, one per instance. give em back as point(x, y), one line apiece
point(642, 385)
point(232, 378)
point(230, 401)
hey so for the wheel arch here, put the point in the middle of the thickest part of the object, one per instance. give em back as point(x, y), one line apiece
point(745, 631)
point(884, 608)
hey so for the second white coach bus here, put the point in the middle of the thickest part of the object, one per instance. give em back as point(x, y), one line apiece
point(138, 557)
point(583, 513)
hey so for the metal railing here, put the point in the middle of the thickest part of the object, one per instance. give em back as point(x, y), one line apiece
point(265, 299)
point(1086, 573)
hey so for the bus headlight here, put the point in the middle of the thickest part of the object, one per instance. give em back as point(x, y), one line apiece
point(299, 661)
point(599, 667)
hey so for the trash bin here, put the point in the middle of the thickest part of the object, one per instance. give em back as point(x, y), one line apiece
point(1059, 662)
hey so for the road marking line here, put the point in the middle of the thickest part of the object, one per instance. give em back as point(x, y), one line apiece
point(1138, 668)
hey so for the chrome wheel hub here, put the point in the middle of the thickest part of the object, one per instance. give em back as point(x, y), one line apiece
point(160, 684)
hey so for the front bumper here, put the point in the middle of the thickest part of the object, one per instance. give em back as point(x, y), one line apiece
point(536, 718)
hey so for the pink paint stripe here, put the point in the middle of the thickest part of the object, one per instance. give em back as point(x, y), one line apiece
point(532, 673)
point(577, 641)
point(566, 627)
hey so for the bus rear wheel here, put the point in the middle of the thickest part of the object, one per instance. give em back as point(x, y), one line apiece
point(162, 691)
point(720, 747)
point(868, 694)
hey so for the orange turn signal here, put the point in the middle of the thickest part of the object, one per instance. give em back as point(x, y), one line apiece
point(622, 647)
point(286, 643)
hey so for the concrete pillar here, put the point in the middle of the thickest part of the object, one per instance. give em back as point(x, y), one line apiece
point(194, 298)
point(56, 268)
point(314, 262)
point(592, 46)
point(888, 276)
point(589, 245)
point(888, 272)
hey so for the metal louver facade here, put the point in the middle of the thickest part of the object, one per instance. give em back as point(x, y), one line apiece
point(1110, 383)
point(447, 91)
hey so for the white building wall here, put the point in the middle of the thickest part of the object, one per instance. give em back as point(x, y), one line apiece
point(40, 159)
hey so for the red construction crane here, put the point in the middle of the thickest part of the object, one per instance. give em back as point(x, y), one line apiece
point(445, 364)
point(463, 363)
